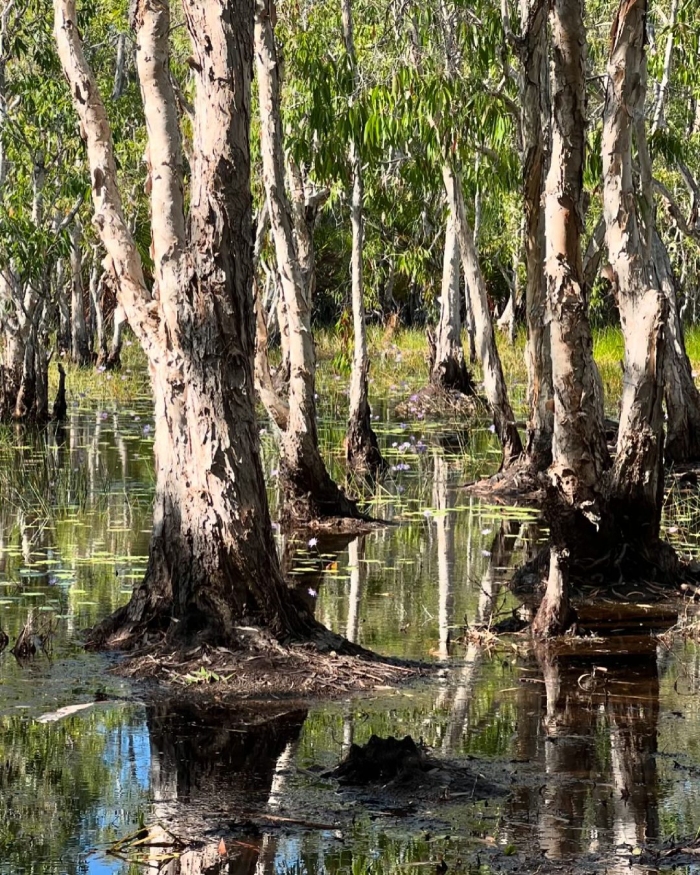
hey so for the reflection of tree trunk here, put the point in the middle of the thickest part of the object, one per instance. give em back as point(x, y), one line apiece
point(623, 693)
point(356, 550)
point(501, 551)
point(206, 768)
point(443, 500)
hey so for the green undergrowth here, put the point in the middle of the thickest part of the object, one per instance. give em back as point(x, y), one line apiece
point(398, 367)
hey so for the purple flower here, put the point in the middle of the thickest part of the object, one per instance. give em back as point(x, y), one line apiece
point(312, 593)
point(147, 429)
point(313, 542)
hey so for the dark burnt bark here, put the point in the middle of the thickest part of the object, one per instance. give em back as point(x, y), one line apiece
point(362, 450)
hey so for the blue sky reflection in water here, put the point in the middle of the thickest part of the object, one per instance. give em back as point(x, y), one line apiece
point(75, 516)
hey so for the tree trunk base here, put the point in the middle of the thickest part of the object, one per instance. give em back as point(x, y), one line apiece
point(451, 373)
point(362, 449)
point(310, 497)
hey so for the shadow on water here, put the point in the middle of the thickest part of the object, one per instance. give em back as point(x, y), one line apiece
point(214, 775)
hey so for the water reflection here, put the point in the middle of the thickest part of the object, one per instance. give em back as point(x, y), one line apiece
point(581, 742)
point(212, 771)
point(598, 719)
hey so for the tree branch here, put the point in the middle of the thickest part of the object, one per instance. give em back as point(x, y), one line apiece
point(151, 22)
point(121, 249)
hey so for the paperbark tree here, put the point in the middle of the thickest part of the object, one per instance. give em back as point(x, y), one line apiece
point(448, 367)
point(309, 491)
point(579, 450)
point(532, 50)
point(607, 519)
point(638, 473)
point(212, 559)
point(80, 349)
point(487, 351)
point(362, 449)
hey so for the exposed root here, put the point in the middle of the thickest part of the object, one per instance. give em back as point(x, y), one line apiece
point(258, 666)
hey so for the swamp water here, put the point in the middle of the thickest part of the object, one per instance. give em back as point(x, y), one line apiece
point(577, 764)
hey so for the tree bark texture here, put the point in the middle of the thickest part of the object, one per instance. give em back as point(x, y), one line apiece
point(494, 382)
point(579, 450)
point(309, 492)
point(534, 118)
point(212, 562)
point(638, 472)
point(448, 368)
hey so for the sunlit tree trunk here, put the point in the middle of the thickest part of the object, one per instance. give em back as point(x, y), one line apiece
point(494, 383)
point(212, 561)
point(309, 491)
point(579, 450)
point(638, 472)
point(119, 322)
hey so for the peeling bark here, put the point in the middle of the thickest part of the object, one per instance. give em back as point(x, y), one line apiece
point(579, 449)
point(212, 559)
point(638, 472)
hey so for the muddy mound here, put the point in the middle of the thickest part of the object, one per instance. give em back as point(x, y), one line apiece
point(382, 760)
point(433, 401)
point(386, 769)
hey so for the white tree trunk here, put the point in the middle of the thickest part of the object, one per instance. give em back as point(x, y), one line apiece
point(638, 478)
point(448, 368)
point(494, 383)
point(308, 489)
point(579, 450)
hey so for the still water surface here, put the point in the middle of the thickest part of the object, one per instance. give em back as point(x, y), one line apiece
point(594, 759)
